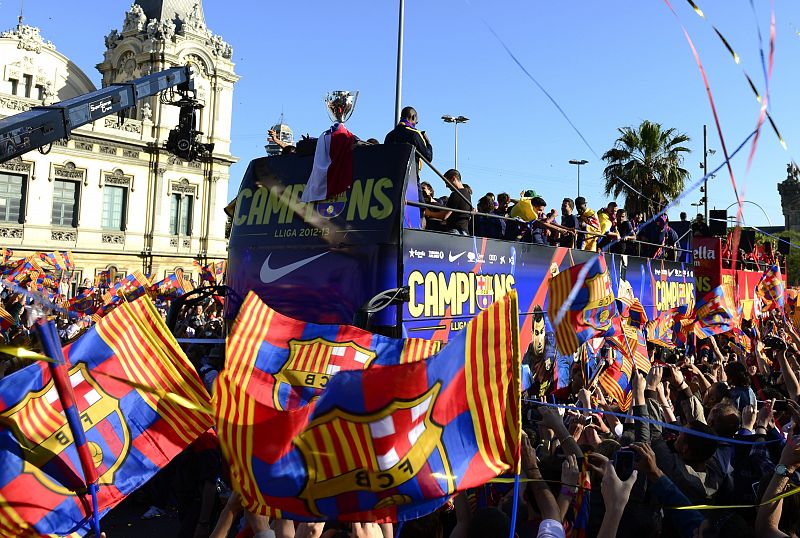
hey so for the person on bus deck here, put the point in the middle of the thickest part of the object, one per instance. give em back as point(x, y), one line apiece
point(406, 132)
point(589, 224)
point(626, 233)
point(427, 197)
point(541, 225)
point(503, 201)
point(570, 222)
point(486, 224)
point(524, 209)
point(699, 227)
point(607, 217)
point(668, 239)
point(456, 222)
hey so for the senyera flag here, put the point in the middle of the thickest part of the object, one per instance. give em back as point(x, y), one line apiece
point(332, 172)
point(140, 403)
point(592, 313)
point(385, 443)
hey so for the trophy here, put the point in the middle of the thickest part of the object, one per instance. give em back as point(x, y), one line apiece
point(340, 104)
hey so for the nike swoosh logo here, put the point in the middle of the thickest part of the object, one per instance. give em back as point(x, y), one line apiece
point(454, 258)
point(270, 274)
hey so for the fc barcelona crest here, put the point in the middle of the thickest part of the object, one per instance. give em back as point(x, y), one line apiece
point(48, 448)
point(483, 291)
point(310, 366)
point(333, 207)
point(347, 453)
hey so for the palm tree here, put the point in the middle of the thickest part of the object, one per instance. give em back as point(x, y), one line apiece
point(647, 160)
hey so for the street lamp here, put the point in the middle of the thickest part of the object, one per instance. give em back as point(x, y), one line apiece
point(704, 167)
point(578, 163)
point(455, 121)
point(769, 221)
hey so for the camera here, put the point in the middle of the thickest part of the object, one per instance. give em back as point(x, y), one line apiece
point(773, 342)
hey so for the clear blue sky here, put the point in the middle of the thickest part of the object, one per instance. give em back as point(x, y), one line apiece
point(608, 64)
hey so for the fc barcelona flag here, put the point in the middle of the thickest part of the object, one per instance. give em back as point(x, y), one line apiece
point(295, 359)
point(716, 312)
point(661, 331)
point(615, 378)
point(121, 372)
point(632, 310)
point(593, 312)
point(385, 443)
point(771, 288)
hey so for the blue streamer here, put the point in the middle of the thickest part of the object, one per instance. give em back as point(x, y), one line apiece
point(513, 533)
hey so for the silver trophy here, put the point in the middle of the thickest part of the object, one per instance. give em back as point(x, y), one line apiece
point(340, 104)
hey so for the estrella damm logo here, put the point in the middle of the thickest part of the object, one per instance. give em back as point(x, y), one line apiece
point(310, 366)
point(48, 448)
point(376, 452)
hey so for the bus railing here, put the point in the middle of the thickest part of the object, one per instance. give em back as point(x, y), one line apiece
point(474, 213)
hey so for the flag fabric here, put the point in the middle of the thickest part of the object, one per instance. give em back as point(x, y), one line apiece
point(385, 443)
point(661, 330)
point(129, 288)
point(631, 308)
point(5, 255)
point(579, 510)
point(593, 312)
point(219, 271)
point(615, 378)
point(104, 279)
point(297, 359)
point(6, 320)
point(127, 373)
point(771, 288)
point(638, 346)
point(172, 286)
point(332, 172)
point(69, 260)
point(715, 313)
point(83, 303)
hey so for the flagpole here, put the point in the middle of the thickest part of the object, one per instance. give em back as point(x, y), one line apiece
point(51, 346)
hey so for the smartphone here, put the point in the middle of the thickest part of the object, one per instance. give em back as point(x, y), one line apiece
point(623, 463)
point(779, 406)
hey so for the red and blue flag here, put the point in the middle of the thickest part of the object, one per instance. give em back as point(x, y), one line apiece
point(716, 313)
point(126, 373)
point(593, 311)
point(771, 288)
point(385, 443)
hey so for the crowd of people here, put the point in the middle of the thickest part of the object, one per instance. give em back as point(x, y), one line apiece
point(716, 424)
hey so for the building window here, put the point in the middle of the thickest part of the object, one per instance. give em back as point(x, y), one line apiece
point(28, 84)
point(12, 199)
point(114, 201)
point(65, 203)
point(180, 214)
point(14, 86)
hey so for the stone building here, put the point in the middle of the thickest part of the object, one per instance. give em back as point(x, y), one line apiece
point(111, 193)
point(789, 190)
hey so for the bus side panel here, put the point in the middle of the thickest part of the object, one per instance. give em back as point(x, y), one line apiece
point(452, 278)
point(320, 261)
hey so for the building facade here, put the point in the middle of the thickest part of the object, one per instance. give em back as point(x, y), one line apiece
point(789, 189)
point(111, 193)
